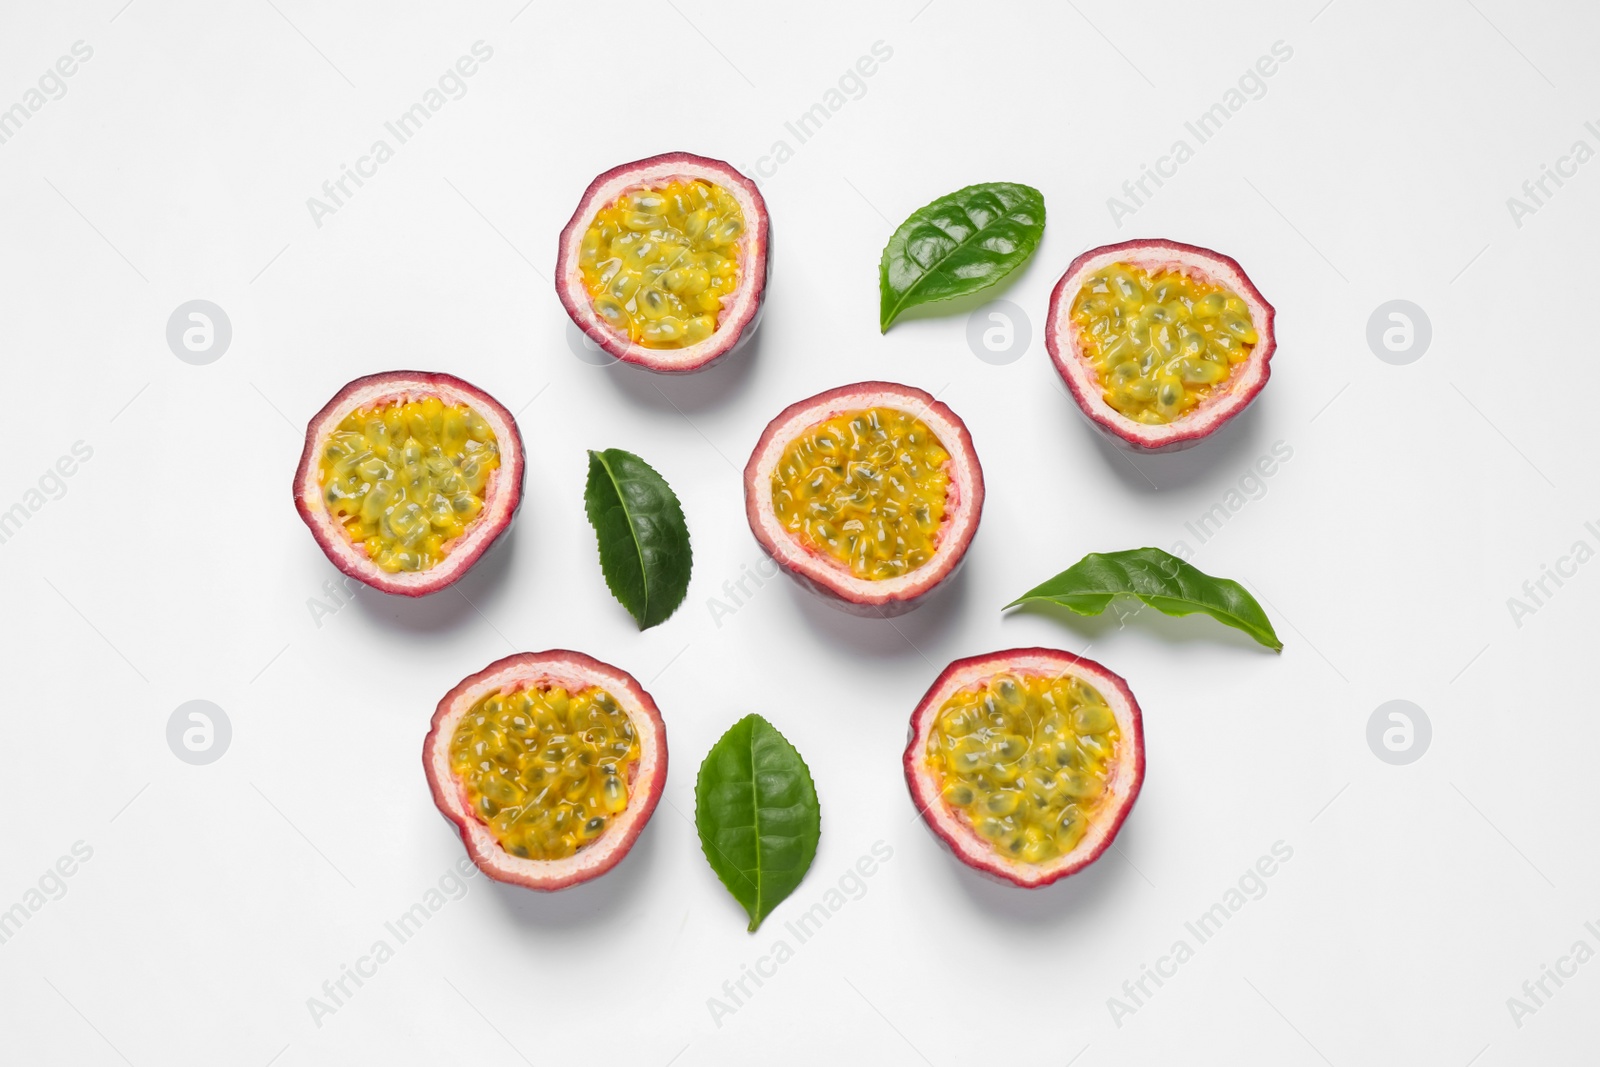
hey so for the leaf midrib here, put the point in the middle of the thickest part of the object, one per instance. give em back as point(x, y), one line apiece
point(755, 816)
point(633, 531)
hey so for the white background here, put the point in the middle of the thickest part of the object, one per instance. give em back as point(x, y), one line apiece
point(1417, 500)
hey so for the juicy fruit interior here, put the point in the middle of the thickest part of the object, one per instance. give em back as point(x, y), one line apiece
point(406, 478)
point(545, 769)
point(658, 262)
point(1160, 342)
point(1025, 758)
point(866, 488)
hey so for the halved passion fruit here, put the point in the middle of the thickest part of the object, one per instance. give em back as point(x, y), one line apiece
point(1025, 762)
point(408, 477)
point(549, 763)
point(664, 263)
point(868, 494)
point(1160, 343)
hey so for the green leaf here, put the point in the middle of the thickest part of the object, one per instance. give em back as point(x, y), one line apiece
point(756, 809)
point(1161, 580)
point(957, 245)
point(644, 541)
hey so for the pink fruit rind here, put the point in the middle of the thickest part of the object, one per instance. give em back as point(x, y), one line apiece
point(1082, 380)
point(502, 493)
point(740, 313)
point(574, 670)
point(956, 833)
point(826, 576)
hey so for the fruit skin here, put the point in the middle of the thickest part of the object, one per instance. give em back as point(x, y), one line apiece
point(738, 319)
point(503, 492)
point(573, 670)
point(828, 578)
point(1122, 789)
point(1081, 378)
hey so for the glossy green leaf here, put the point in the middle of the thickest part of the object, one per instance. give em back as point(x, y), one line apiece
point(644, 541)
point(756, 809)
point(1162, 581)
point(957, 245)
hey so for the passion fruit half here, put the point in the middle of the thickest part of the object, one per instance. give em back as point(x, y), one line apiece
point(867, 494)
point(408, 477)
point(664, 262)
point(1025, 763)
point(1160, 343)
point(549, 764)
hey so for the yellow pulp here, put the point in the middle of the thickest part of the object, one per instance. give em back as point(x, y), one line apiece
point(406, 479)
point(659, 262)
point(1025, 758)
point(545, 769)
point(1161, 343)
point(867, 488)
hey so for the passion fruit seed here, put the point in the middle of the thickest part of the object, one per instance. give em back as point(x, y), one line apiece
point(659, 262)
point(1161, 343)
point(407, 478)
point(1025, 758)
point(545, 769)
point(867, 488)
